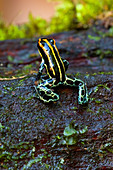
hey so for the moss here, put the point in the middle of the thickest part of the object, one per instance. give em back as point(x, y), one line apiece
point(101, 85)
point(8, 88)
point(38, 159)
point(90, 110)
point(16, 152)
point(94, 37)
point(94, 74)
point(74, 108)
point(98, 101)
point(106, 147)
point(106, 73)
point(71, 135)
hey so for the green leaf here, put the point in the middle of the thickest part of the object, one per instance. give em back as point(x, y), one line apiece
point(98, 101)
point(71, 141)
point(68, 131)
point(1, 127)
point(10, 58)
point(62, 160)
point(84, 130)
point(94, 37)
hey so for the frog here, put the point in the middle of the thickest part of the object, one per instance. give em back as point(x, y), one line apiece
point(56, 68)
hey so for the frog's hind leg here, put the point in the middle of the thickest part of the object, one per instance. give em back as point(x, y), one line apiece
point(45, 93)
point(82, 89)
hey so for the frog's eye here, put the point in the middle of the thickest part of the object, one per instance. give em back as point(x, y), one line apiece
point(51, 41)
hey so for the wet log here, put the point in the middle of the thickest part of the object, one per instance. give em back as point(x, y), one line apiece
point(63, 134)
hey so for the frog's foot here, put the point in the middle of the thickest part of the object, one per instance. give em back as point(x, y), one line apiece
point(82, 93)
point(45, 94)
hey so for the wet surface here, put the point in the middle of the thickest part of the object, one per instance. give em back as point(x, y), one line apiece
point(31, 132)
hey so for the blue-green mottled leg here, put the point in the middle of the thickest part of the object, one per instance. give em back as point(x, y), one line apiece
point(83, 93)
point(82, 89)
point(45, 93)
point(66, 64)
point(40, 71)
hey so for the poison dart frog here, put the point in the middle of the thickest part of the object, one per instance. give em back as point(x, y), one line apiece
point(56, 68)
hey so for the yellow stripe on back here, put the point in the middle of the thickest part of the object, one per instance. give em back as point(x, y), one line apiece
point(51, 65)
point(55, 58)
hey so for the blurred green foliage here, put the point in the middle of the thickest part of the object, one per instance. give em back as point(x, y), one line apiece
point(90, 9)
point(35, 27)
point(65, 17)
point(69, 13)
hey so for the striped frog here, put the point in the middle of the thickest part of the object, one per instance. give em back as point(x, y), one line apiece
point(56, 68)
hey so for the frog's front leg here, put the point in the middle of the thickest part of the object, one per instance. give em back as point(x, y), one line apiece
point(44, 91)
point(40, 71)
point(82, 89)
point(66, 64)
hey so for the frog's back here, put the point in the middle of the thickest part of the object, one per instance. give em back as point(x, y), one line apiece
point(52, 60)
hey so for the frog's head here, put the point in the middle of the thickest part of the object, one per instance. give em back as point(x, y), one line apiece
point(45, 46)
point(45, 43)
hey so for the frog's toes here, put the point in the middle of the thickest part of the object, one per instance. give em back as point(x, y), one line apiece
point(49, 97)
point(55, 96)
point(48, 91)
point(83, 100)
point(46, 95)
